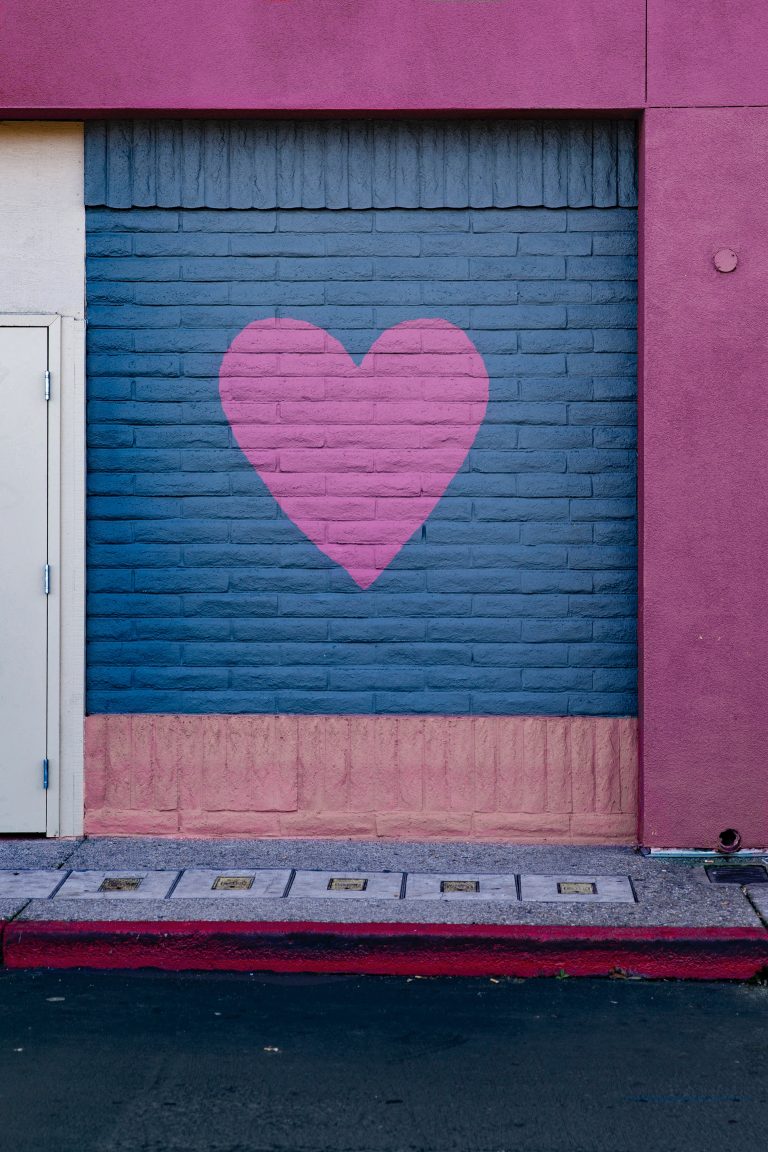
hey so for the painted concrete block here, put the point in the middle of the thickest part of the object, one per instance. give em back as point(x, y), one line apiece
point(577, 889)
point(343, 885)
point(30, 883)
point(117, 885)
point(482, 777)
point(460, 886)
point(231, 883)
point(143, 466)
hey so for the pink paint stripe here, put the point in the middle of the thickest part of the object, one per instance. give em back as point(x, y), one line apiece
point(399, 949)
point(522, 778)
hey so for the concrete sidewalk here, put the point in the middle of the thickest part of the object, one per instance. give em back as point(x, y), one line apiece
point(358, 906)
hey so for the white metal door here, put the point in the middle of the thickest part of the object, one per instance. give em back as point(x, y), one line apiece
point(23, 559)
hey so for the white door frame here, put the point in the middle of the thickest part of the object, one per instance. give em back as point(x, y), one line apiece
point(66, 555)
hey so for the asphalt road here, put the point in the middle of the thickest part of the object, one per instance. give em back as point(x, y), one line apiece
point(96, 1062)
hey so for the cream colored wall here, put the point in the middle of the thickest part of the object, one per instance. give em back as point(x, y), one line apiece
point(42, 280)
point(42, 218)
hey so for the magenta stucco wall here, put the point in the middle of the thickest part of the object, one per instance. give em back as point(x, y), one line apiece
point(704, 719)
point(711, 52)
point(300, 55)
point(337, 55)
point(705, 477)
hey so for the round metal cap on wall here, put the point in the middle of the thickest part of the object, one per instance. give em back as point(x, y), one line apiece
point(725, 260)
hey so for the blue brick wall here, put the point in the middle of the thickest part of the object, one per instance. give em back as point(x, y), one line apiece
point(517, 595)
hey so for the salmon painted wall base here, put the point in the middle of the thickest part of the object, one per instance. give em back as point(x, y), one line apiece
point(544, 779)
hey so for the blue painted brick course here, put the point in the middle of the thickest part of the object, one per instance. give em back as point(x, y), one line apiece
point(516, 597)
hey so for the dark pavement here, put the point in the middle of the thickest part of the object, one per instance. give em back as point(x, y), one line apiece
point(95, 1062)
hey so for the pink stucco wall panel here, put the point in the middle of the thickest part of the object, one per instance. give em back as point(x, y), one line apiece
point(705, 479)
point(527, 778)
point(709, 53)
point(304, 55)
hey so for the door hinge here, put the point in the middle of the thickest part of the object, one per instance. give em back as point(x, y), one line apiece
point(47, 384)
point(47, 579)
point(46, 767)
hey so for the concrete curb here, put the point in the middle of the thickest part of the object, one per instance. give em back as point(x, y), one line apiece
point(389, 949)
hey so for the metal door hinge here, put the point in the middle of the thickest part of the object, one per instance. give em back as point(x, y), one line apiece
point(47, 579)
point(47, 384)
point(45, 773)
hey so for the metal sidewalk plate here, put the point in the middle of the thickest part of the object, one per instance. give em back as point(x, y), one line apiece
point(117, 884)
point(460, 886)
point(231, 883)
point(577, 889)
point(343, 885)
point(737, 874)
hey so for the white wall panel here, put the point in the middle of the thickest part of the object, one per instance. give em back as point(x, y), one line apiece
point(42, 275)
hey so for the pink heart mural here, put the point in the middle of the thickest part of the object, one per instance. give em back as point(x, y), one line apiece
point(357, 457)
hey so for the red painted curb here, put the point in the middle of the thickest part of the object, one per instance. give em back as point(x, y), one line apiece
point(389, 949)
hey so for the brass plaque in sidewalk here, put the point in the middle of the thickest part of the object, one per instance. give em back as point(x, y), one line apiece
point(576, 888)
point(120, 883)
point(347, 884)
point(232, 883)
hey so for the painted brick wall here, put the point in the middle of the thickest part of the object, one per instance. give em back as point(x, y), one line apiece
point(518, 594)
point(523, 778)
